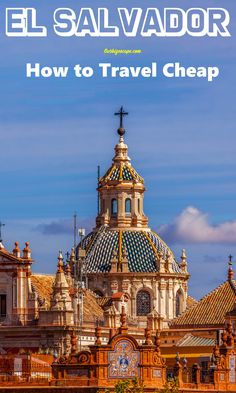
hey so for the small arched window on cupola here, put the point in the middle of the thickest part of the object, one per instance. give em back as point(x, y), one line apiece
point(114, 207)
point(127, 206)
point(179, 305)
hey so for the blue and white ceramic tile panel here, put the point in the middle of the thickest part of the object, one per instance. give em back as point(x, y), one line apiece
point(123, 361)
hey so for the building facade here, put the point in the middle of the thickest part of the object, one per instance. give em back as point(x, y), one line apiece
point(121, 263)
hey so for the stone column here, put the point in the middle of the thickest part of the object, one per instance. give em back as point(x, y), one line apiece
point(162, 287)
point(170, 300)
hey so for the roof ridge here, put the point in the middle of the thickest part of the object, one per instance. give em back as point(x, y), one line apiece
point(153, 249)
point(212, 291)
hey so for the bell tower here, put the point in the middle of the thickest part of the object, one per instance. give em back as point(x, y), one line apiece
point(121, 190)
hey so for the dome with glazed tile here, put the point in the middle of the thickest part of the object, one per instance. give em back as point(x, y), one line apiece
point(143, 250)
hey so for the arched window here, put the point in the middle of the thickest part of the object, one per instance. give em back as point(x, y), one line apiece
point(143, 302)
point(179, 302)
point(128, 205)
point(114, 207)
point(139, 205)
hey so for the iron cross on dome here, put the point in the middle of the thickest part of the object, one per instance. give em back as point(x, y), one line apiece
point(121, 114)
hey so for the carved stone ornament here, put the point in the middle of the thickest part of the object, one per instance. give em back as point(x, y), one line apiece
point(158, 360)
point(84, 357)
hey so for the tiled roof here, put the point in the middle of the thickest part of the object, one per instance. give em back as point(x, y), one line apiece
point(43, 283)
point(91, 308)
point(117, 295)
point(190, 301)
point(142, 250)
point(121, 172)
point(211, 309)
point(189, 340)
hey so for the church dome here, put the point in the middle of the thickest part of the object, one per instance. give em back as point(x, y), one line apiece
point(143, 251)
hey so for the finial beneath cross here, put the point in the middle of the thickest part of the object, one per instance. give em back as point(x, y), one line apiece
point(121, 114)
point(1, 225)
point(230, 259)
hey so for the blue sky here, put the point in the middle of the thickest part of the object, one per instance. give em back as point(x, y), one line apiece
point(180, 132)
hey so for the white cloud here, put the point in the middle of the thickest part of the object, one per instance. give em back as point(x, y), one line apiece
point(193, 226)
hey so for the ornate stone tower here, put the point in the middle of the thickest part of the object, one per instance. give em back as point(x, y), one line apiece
point(121, 190)
point(125, 260)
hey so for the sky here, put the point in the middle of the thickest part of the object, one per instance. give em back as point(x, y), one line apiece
point(180, 132)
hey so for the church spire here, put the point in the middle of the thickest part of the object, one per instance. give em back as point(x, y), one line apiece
point(61, 299)
point(60, 262)
point(121, 189)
